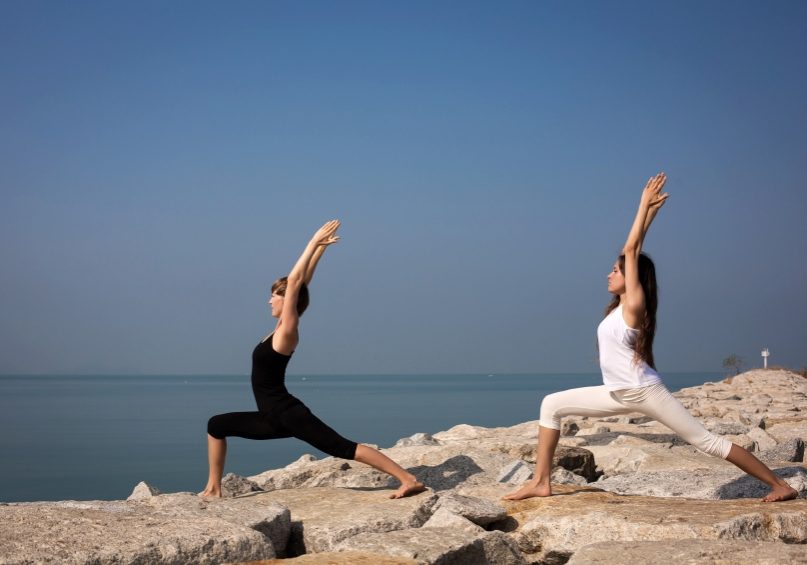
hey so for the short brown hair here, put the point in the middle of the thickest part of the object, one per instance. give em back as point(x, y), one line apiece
point(279, 288)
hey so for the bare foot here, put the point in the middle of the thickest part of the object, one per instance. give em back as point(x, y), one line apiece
point(408, 489)
point(211, 492)
point(530, 490)
point(780, 493)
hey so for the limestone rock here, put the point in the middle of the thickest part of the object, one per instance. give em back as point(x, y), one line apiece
point(440, 546)
point(577, 460)
point(249, 511)
point(554, 528)
point(762, 439)
point(234, 485)
point(563, 476)
point(328, 472)
point(710, 484)
point(478, 510)
point(723, 428)
point(417, 439)
point(790, 450)
point(443, 518)
point(190, 531)
point(337, 558)
point(323, 516)
point(569, 428)
point(515, 473)
point(142, 491)
point(702, 552)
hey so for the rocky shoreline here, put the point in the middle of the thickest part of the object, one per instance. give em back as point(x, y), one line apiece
point(627, 491)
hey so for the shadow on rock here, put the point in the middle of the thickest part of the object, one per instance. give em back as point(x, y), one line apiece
point(448, 474)
point(747, 486)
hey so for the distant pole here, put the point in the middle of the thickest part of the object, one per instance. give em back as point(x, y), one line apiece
point(765, 355)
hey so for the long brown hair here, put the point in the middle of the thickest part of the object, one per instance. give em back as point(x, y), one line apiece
point(279, 287)
point(643, 348)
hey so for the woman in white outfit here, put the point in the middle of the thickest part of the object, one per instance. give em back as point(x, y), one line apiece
point(630, 381)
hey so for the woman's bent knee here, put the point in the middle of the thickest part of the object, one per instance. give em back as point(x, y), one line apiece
point(715, 445)
point(549, 407)
point(215, 427)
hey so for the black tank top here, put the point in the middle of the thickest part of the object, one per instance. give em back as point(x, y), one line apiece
point(269, 378)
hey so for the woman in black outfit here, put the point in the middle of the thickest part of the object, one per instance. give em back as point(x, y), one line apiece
point(279, 413)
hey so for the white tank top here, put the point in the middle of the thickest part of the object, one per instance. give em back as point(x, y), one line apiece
point(619, 369)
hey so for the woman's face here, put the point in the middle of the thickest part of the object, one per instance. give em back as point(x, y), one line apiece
point(275, 302)
point(616, 280)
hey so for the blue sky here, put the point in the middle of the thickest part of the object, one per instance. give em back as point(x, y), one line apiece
point(162, 163)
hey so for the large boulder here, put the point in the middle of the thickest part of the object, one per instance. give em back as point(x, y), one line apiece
point(552, 529)
point(322, 517)
point(441, 546)
point(702, 552)
point(712, 484)
point(480, 511)
point(177, 529)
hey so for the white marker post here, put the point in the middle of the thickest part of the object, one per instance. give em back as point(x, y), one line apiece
point(765, 355)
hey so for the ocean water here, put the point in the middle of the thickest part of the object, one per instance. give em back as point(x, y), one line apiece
point(95, 437)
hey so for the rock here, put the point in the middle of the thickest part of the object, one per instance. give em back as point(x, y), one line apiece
point(480, 511)
point(328, 472)
point(441, 546)
point(338, 558)
point(563, 476)
point(417, 439)
point(552, 529)
point(459, 432)
point(160, 530)
point(443, 518)
point(596, 429)
point(742, 440)
point(702, 552)
point(515, 473)
point(250, 511)
point(501, 549)
point(711, 484)
point(323, 516)
point(569, 428)
point(234, 485)
point(762, 439)
point(726, 428)
point(142, 491)
point(577, 460)
point(790, 450)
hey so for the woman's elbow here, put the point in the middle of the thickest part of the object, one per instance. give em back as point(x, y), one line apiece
point(632, 249)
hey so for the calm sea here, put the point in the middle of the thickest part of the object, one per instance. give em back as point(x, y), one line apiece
point(95, 437)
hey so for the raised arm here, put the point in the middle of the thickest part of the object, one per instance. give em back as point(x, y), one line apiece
point(633, 306)
point(312, 265)
point(286, 336)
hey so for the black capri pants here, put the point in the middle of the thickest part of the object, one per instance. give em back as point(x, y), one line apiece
point(295, 421)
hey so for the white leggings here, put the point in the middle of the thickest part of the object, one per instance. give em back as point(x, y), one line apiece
point(654, 401)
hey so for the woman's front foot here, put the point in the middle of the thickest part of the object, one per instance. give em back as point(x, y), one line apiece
point(530, 490)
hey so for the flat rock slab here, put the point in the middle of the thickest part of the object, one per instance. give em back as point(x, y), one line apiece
point(337, 558)
point(190, 531)
point(323, 517)
point(558, 526)
point(441, 546)
point(714, 484)
point(690, 552)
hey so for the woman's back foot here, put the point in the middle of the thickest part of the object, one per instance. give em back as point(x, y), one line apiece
point(210, 492)
point(530, 490)
point(408, 488)
point(781, 493)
